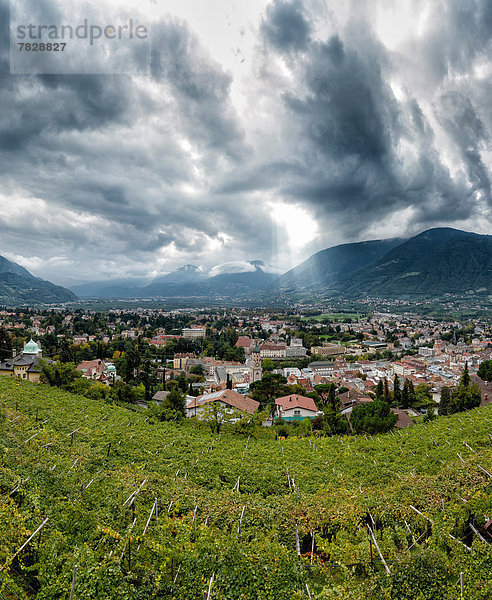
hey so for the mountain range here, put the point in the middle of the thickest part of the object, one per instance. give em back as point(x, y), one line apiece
point(435, 262)
point(18, 287)
point(230, 280)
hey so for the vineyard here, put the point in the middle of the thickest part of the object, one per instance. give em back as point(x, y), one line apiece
point(97, 502)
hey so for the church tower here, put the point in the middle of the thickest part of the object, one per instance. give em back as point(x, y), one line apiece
point(256, 371)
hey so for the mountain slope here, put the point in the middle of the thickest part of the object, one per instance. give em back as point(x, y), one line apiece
point(7, 266)
point(185, 274)
point(17, 290)
point(188, 281)
point(335, 264)
point(437, 261)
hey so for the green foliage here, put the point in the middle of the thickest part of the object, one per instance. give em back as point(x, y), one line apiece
point(59, 374)
point(397, 400)
point(372, 417)
point(445, 402)
point(197, 370)
point(465, 397)
point(269, 387)
point(421, 576)
point(485, 370)
point(329, 485)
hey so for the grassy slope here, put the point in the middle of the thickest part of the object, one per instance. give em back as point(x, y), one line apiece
point(338, 483)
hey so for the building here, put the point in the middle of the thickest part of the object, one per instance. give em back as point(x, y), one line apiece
point(92, 369)
point(295, 349)
point(328, 350)
point(228, 399)
point(269, 350)
point(295, 407)
point(321, 367)
point(194, 332)
point(245, 342)
point(427, 352)
point(25, 365)
point(255, 368)
point(180, 360)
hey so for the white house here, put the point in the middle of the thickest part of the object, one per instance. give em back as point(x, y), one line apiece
point(295, 407)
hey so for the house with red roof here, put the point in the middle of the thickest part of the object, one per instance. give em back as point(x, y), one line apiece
point(245, 342)
point(92, 369)
point(295, 407)
point(228, 399)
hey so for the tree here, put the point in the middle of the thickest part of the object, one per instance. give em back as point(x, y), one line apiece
point(485, 370)
point(380, 390)
point(172, 409)
point(465, 377)
point(5, 345)
point(177, 401)
point(397, 399)
point(387, 393)
point(405, 400)
point(408, 397)
point(148, 376)
point(216, 415)
point(61, 375)
point(197, 370)
point(66, 353)
point(430, 415)
point(444, 404)
point(327, 393)
point(373, 417)
point(267, 364)
point(423, 394)
point(182, 381)
point(266, 389)
point(465, 397)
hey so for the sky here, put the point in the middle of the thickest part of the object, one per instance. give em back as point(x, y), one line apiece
point(259, 130)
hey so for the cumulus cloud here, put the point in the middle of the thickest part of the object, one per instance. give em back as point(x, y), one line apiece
point(371, 135)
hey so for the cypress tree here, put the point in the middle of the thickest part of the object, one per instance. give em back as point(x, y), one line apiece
point(396, 391)
point(387, 395)
point(405, 397)
point(444, 404)
point(465, 376)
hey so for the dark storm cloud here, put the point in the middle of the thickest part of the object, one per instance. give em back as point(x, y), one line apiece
point(201, 87)
point(110, 188)
point(286, 26)
point(350, 130)
point(460, 119)
point(119, 173)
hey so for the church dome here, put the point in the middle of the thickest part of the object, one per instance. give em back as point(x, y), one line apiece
point(31, 348)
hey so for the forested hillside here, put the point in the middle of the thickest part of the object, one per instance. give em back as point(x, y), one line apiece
point(156, 510)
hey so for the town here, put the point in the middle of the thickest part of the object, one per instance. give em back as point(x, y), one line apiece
point(300, 369)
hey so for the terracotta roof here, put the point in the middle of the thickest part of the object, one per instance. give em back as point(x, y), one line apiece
point(229, 397)
point(403, 419)
point(244, 342)
point(91, 364)
point(269, 346)
point(296, 401)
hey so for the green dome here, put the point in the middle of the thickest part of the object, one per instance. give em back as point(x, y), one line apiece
point(111, 369)
point(31, 348)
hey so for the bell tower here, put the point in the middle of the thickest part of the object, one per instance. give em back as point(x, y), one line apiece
point(256, 371)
